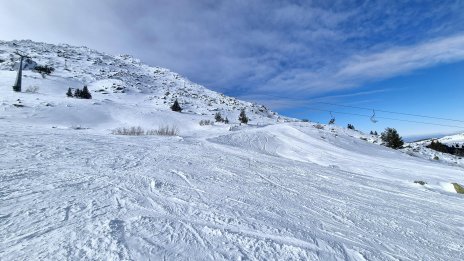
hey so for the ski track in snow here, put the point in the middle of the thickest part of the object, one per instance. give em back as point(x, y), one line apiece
point(129, 198)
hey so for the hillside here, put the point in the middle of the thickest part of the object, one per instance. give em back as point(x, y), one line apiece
point(275, 189)
point(419, 149)
point(116, 83)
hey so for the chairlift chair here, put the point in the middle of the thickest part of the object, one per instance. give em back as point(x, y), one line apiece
point(373, 117)
point(332, 120)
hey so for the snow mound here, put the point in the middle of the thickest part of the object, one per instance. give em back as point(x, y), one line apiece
point(337, 149)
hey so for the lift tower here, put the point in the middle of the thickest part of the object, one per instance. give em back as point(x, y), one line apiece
point(17, 85)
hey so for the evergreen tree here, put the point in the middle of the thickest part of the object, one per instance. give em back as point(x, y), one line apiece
point(226, 121)
point(69, 93)
point(218, 117)
point(85, 94)
point(77, 93)
point(176, 106)
point(391, 138)
point(372, 133)
point(332, 121)
point(243, 118)
point(375, 133)
point(350, 126)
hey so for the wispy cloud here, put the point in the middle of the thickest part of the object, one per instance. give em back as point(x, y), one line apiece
point(359, 69)
point(401, 60)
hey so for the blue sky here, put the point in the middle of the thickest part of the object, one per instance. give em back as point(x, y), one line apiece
point(404, 56)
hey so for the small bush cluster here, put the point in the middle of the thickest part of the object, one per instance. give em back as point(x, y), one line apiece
point(218, 118)
point(319, 126)
point(138, 131)
point(420, 182)
point(164, 131)
point(32, 89)
point(350, 126)
point(243, 118)
point(80, 94)
point(206, 122)
point(374, 133)
point(438, 146)
point(78, 127)
point(44, 69)
point(132, 131)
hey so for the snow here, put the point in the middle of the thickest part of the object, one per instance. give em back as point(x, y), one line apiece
point(419, 149)
point(276, 189)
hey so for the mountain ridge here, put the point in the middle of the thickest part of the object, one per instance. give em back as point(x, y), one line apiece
point(106, 74)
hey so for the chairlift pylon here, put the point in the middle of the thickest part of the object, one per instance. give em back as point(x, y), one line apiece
point(17, 85)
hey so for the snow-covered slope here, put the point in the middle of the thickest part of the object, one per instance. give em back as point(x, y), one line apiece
point(271, 190)
point(419, 149)
point(453, 139)
point(118, 84)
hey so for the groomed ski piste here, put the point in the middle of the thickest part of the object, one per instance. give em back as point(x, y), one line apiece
point(275, 189)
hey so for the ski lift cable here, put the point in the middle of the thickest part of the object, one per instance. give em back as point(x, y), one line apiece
point(364, 108)
point(394, 119)
point(391, 112)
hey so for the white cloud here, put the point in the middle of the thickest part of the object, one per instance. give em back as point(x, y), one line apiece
point(359, 69)
point(402, 60)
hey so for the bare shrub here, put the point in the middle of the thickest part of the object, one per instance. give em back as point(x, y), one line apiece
point(138, 131)
point(164, 131)
point(32, 89)
point(132, 131)
point(319, 126)
point(206, 122)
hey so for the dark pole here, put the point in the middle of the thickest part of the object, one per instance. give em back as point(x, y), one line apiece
point(17, 86)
